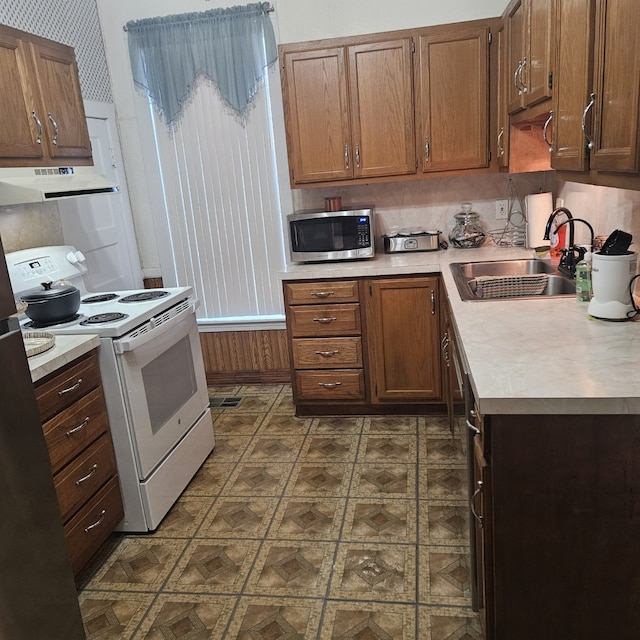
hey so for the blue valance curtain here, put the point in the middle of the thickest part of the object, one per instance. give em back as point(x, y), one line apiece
point(231, 47)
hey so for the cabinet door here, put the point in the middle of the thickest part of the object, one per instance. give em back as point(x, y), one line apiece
point(516, 19)
point(452, 98)
point(572, 82)
point(504, 77)
point(403, 339)
point(616, 86)
point(63, 116)
point(540, 51)
point(380, 81)
point(480, 507)
point(18, 128)
point(317, 115)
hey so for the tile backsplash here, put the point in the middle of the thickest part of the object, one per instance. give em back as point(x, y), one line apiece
point(432, 203)
point(30, 225)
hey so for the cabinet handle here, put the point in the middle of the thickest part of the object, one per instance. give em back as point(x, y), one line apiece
point(357, 155)
point(544, 131)
point(73, 387)
point(584, 120)
point(55, 128)
point(97, 522)
point(346, 157)
point(322, 294)
point(472, 427)
point(325, 320)
point(445, 350)
point(34, 115)
point(329, 385)
point(433, 302)
point(427, 149)
point(79, 481)
point(479, 518)
point(516, 77)
point(500, 137)
point(327, 354)
point(522, 68)
point(80, 427)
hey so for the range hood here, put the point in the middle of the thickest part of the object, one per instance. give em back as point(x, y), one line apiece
point(44, 184)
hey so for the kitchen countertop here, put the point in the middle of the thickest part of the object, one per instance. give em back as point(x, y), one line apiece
point(66, 349)
point(533, 356)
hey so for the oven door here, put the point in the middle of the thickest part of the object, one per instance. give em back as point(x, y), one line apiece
point(164, 384)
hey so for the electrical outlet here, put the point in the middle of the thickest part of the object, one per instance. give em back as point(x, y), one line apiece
point(502, 207)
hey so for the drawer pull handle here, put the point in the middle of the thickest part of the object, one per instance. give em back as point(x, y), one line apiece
point(73, 387)
point(472, 427)
point(94, 468)
point(329, 385)
point(327, 354)
point(325, 320)
point(81, 426)
point(479, 518)
point(97, 522)
point(323, 294)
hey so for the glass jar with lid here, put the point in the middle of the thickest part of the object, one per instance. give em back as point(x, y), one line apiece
point(467, 232)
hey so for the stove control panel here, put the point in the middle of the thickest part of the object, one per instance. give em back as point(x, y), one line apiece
point(37, 268)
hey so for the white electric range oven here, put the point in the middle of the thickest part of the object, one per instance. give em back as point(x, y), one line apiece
point(152, 375)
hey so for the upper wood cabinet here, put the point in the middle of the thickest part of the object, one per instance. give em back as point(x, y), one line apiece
point(348, 110)
point(41, 110)
point(616, 85)
point(530, 46)
point(502, 84)
point(597, 103)
point(351, 112)
point(452, 97)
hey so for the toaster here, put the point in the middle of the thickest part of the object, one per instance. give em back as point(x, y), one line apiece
point(405, 241)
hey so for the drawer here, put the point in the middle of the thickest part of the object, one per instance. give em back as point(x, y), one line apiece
point(87, 531)
point(327, 353)
point(64, 389)
point(321, 292)
point(78, 481)
point(72, 430)
point(325, 320)
point(334, 384)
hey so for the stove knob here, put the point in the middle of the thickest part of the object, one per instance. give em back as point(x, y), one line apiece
point(71, 257)
point(79, 256)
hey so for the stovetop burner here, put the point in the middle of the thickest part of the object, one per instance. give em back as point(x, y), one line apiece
point(143, 296)
point(32, 324)
point(101, 318)
point(101, 297)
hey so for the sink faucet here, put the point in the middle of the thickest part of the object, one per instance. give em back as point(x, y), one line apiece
point(572, 255)
point(552, 217)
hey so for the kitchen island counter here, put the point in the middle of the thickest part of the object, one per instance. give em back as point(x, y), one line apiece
point(529, 356)
point(66, 349)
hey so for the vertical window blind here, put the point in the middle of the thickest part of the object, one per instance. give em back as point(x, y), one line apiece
point(207, 86)
point(222, 208)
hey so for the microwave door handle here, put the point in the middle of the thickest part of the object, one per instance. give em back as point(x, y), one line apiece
point(129, 344)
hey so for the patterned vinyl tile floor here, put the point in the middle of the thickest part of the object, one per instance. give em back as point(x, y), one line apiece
point(297, 529)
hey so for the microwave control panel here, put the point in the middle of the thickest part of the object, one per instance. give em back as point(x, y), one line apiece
point(364, 237)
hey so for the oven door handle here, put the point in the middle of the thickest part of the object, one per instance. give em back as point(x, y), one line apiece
point(155, 330)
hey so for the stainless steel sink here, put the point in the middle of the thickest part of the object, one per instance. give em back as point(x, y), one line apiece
point(558, 285)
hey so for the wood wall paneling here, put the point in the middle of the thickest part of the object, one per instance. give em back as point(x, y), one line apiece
point(246, 357)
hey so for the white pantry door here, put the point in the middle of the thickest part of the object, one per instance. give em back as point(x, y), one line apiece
point(101, 226)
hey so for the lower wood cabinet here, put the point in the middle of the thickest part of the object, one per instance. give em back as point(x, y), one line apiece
point(403, 332)
point(555, 500)
point(76, 429)
point(365, 345)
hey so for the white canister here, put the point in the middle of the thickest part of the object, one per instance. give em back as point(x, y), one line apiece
point(610, 280)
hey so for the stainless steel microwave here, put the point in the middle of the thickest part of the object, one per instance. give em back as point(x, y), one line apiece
point(319, 236)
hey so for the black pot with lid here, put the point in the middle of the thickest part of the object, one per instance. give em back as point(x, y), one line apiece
point(54, 303)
